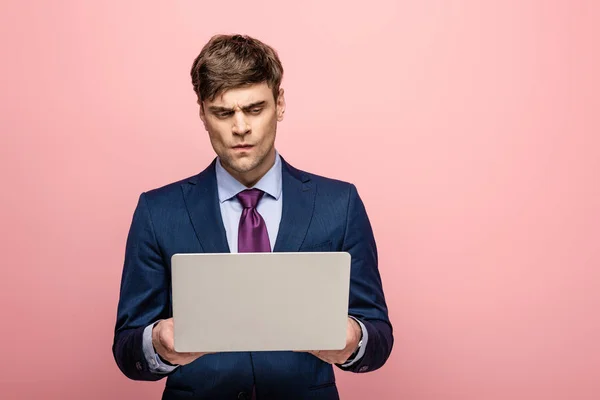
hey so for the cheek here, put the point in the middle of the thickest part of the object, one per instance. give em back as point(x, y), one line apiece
point(268, 126)
point(216, 136)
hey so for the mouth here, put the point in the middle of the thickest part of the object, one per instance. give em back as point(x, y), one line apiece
point(243, 147)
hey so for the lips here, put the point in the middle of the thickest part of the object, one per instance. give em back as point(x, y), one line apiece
point(243, 146)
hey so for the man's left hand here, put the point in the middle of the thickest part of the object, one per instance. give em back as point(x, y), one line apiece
point(353, 335)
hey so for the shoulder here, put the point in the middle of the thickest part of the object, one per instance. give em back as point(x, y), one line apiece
point(172, 192)
point(169, 189)
point(330, 183)
point(324, 185)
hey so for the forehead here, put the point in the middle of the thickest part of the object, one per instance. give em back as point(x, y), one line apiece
point(242, 96)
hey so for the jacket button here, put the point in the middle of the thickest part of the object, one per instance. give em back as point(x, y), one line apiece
point(363, 368)
point(242, 396)
point(138, 365)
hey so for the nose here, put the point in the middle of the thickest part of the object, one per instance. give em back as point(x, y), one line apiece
point(240, 125)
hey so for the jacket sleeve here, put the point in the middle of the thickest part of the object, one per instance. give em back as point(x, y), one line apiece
point(367, 301)
point(144, 295)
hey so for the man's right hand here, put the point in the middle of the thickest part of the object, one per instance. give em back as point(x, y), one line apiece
point(163, 342)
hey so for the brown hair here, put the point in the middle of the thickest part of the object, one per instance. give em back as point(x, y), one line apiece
point(232, 61)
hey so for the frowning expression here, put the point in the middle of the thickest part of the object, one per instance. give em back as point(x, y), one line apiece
point(242, 125)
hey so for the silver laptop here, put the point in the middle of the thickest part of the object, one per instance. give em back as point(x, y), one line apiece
point(260, 301)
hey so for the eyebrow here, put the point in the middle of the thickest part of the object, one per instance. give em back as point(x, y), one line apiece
point(217, 109)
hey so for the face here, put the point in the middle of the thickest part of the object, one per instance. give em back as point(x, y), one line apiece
point(242, 124)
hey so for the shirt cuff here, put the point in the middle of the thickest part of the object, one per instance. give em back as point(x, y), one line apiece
point(155, 364)
point(363, 345)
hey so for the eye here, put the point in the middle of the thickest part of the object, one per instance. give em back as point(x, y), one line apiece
point(224, 114)
point(256, 110)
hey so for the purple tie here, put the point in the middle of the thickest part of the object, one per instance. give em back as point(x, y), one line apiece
point(252, 232)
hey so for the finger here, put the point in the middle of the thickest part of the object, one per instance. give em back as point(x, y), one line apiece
point(331, 357)
point(163, 351)
point(321, 356)
point(186, 358)
point(166, 339)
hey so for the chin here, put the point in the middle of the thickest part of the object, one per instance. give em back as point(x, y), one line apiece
point(243, 166)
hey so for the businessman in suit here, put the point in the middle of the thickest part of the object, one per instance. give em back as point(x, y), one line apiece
point(249, 199)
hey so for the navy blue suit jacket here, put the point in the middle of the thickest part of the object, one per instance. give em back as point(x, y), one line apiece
point(319, 214)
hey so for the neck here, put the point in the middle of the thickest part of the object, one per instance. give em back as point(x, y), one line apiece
point(252, 177)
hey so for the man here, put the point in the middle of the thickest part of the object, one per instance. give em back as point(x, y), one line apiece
point(249, 199)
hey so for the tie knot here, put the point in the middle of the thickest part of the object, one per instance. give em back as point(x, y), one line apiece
point(249, 198)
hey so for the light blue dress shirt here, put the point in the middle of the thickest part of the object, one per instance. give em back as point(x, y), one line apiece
point(269, 207)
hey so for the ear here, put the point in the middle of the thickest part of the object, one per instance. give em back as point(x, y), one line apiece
point(202, 114)
point(280, 105)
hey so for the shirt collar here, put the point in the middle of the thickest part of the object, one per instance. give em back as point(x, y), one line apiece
point(228, 187)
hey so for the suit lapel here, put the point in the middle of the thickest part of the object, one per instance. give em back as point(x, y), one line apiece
point(298, 205)
point(202, 202)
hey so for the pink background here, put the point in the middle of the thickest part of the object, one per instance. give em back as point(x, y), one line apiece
point(471, 129)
